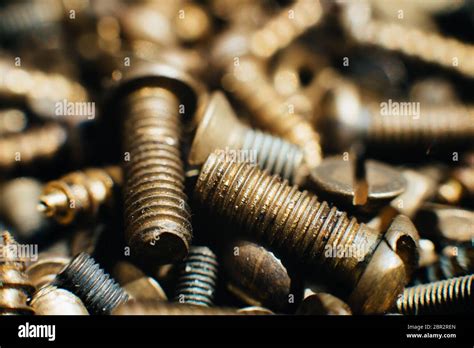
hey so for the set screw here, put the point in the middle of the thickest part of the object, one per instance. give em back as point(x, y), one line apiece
point(85, 279)
point(197, 277)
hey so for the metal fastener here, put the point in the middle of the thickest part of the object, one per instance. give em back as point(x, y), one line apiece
point(51, 300)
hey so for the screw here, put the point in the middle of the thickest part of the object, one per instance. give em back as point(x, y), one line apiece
point(197, 277)
point(85, 279)
point(145, 288)
point(247, 81)
point(219, 128)
point(43, 272)
point(35, 145)
point(194, 25)
point(163, 308)
point(321, 303)
point(441, 297)
point(15, 288)
point(460, 186)
point(256, 275)
point(51, 300)
point(347, 117)
point(429, 47)
point(157, 216)
point(297, 224)
point(80, 195)
point(12, 121)
point(285, 27)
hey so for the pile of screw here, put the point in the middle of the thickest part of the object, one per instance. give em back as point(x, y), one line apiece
point(236, 157)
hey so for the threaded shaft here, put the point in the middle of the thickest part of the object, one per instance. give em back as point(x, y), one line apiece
point(15, 289)
point(274, 154)
point(38, 144)
point(440, 124)
point(249, 84)
point(84, 278)
point(80, 194)
point(198, 276)
point(163, 308)
point(284, 218)
point(157, 216)
point(287, 25)
point(443, 297)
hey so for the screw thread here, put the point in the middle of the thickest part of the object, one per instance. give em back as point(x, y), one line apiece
point(445, 296)
point(198, 276)
point(442, 124)
point(286, 219)
point(97, 290)
point(34, 145)
point(248, 83)
point(15, 288)
point(80, 194)
point(274, 154)
point(157, 215)
point(287, 25)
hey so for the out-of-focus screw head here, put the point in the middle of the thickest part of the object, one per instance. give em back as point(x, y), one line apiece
point(320, 303)
point(43, 272)
point(51, 300)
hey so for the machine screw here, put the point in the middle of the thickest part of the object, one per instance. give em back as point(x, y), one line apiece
point(219, 128)
point(43, 272)
point(321, 303)
point(15, 288)
point(197, 277)
point(85, 279)
point(256, 275)
point(81, 195)
point(35, 145)
point(442, 297)
point(51, 300)
point(296, 224)
point(157, 216)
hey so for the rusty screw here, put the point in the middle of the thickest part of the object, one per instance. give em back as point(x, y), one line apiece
point(51, 300)
point(81, 195)
point(197, 277)
point(15, 288)
point(219, 128)
point(85, 279)
point(157, 216)
point(295, 223)
point(449, 296)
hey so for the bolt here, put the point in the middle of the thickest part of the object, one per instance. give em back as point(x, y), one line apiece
point(85, 279)
point(81, 195)
point(429, 47)
point(321, 303)
point(333, 181)
point(42, 272)
point(51, 300)
point(348, 117)
point(35, 145)
point(285, 27)
point(296, 224)
point(197, 277)
point(219, 128)
point(15, 288)
point(456, 261)
point(157, 216)
point(442, 297)
point(243, 76)
point(256, 275)
point(163, 308)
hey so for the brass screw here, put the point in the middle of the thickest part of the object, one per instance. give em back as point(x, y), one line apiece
point(157, 216)
point(15, 288)
point(43, 271)
point(163, 308)
point(348, 117)
point(35, 145)
point(458, 187)
point(321, 303)
point(430, 47)
point(81, 195)
point(297, 224)
point(256, 275)
point(12, 121)
point(51, 300)
point(442, 297)
point(197, 277)
point(85, 279)
point(219, 128)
